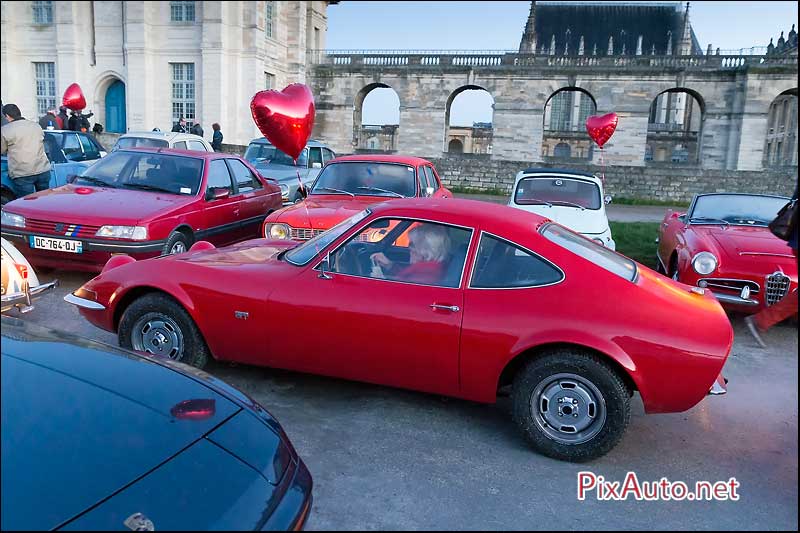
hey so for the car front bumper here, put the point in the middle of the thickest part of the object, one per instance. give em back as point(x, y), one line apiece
point(24, 300)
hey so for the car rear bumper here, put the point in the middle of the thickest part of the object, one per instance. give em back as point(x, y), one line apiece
point(294, 508)
point(23, 300)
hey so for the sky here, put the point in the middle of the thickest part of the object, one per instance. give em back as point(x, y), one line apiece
point(483, 25)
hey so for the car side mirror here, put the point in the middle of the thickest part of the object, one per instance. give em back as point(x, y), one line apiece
point(316, 164)
point(217, 193)
point(607, 199)
point(71, 178)
point(303, 192)
point(429, 191)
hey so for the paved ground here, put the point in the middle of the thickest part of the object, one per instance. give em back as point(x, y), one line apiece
point(615, 213)
point(391, 459)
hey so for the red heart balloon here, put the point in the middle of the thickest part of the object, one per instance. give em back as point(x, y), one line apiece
point(602, 128)
point(73, 98)
point(286, 118)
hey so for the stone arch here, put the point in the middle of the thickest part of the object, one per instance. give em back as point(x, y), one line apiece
point(675, 126)
point(475, 138)
point(564, 123)
point(455, 146)
point(780, 145)
point(386, 133)
point(104, 81)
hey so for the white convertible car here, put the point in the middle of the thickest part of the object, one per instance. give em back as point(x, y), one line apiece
point(573, 199)
point(20, 284)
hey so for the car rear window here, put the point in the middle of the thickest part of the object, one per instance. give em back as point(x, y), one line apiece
point(591, 251)
point(557, 190)
point(132, 142)
point(367, 178)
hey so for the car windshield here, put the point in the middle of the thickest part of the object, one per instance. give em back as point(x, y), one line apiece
point(558, 190)
point(591, 251)
point(268, 154)
point(146, 142)
point(146, 171)
point(737, 209)
point(367, 178)
point(305, 252)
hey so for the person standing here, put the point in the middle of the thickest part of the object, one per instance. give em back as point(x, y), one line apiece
point(63, 118)
point(197, 129)
point(49, 120)
point(216, 141)
point(23, 141)
point(180, 127)
point(83, 121)
point(787, 306)
point(74, 122)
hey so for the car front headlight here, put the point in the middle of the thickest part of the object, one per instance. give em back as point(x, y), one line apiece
point(284, 191)
point(136, 233)
point(13, 220)
point(704, 263)
point(277, 231)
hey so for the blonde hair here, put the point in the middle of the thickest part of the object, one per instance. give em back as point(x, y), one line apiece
point(430, 241)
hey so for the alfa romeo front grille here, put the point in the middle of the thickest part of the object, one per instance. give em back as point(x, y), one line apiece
point(777, 286)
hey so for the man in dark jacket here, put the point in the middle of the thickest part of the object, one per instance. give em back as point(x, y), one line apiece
point(180, 127)
point(83, 121)
point(62, 115)
point(197, 129)
point(49, 120)
point(74, 123)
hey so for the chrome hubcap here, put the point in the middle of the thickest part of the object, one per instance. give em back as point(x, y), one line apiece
point(568, 408)
point(157, 334)
point(178, 248)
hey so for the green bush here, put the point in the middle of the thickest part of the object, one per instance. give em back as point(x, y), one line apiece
point(636, 240)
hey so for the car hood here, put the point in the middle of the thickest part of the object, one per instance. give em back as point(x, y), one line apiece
point(96, 205)
point(263, 252)
point(325, 211)
point(745, 242)
point(589, 221)
point(86, 420)
point(280, 173)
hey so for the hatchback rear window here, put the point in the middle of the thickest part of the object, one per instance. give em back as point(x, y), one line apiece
point(132, 142)
point(591, 251)
point(557, 190)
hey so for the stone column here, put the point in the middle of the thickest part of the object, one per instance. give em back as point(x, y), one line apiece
point(518, 130)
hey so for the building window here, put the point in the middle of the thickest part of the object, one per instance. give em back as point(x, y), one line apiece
point(586, 109)
point(45, 86)
point(42, 12)
point(181, 11)
point(560, 111)
point(183, 104)
point(269, 81)
point(269, 18)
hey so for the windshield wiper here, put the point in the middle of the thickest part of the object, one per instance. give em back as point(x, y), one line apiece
point(536, 200)
point(335, 190)
point(96, 181)
point(569, 203)
point(396, 194)
point(700, 220)
point(146, 187)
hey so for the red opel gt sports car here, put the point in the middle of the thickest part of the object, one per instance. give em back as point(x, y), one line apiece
point(453, 297)
point(723, 243)
point(144, 202)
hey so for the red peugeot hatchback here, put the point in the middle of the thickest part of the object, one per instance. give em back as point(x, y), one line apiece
point(141, 202)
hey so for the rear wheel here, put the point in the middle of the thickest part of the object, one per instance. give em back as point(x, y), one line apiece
point(155, 323)
point(571, 405)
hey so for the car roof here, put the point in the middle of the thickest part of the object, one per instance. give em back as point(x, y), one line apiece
point(165, 135)
point(311, 142)
point(177, 151)
point(541, 170)
point(384, 158)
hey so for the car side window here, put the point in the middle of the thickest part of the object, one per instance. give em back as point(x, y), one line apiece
point(501, 264)
point(218, 176)
point(89, 149)
point(180, 145)
point(315, 158)
point(429, 181)
point(53, 150)
point(433, 179)
point(72, 147)
point(410, 251)
point(327, 155)
point(244, 178)
point(197, 145)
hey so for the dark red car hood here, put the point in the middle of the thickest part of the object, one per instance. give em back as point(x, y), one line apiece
point(745, 241)
point(97, 205)
point(325, 211)
point(255, 251)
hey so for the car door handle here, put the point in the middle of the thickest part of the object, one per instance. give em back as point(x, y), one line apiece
point(453, 308)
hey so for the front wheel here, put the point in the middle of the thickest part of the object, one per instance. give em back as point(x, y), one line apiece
point(571, 405)
point(157, 324)
point(177, 243)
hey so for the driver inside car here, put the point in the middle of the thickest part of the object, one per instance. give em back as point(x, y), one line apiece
point(429, 248)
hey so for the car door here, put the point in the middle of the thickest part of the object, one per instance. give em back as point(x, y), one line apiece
point(252, 199)
point(350, 323)
point(221, 215)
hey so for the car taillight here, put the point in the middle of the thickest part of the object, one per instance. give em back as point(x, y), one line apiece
point(22, 270)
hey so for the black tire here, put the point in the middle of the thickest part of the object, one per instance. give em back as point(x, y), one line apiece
point(673, 269)
point(591, 372)
point(6, 196)
point(659, 268)
point(161, 307)
point(176, 240)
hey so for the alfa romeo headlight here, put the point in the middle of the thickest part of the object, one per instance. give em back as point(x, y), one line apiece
point(278, 231)
point(137, 233)
point(704, 263)
point(13, 220)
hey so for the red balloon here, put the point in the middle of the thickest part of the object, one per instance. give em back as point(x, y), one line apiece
point(286, 118)
point(73, 98)
point(602, 128)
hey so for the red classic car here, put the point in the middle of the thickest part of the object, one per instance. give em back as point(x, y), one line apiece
point(480, 299)
point(346, 185)
point(143, 202)
point(723, 243)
